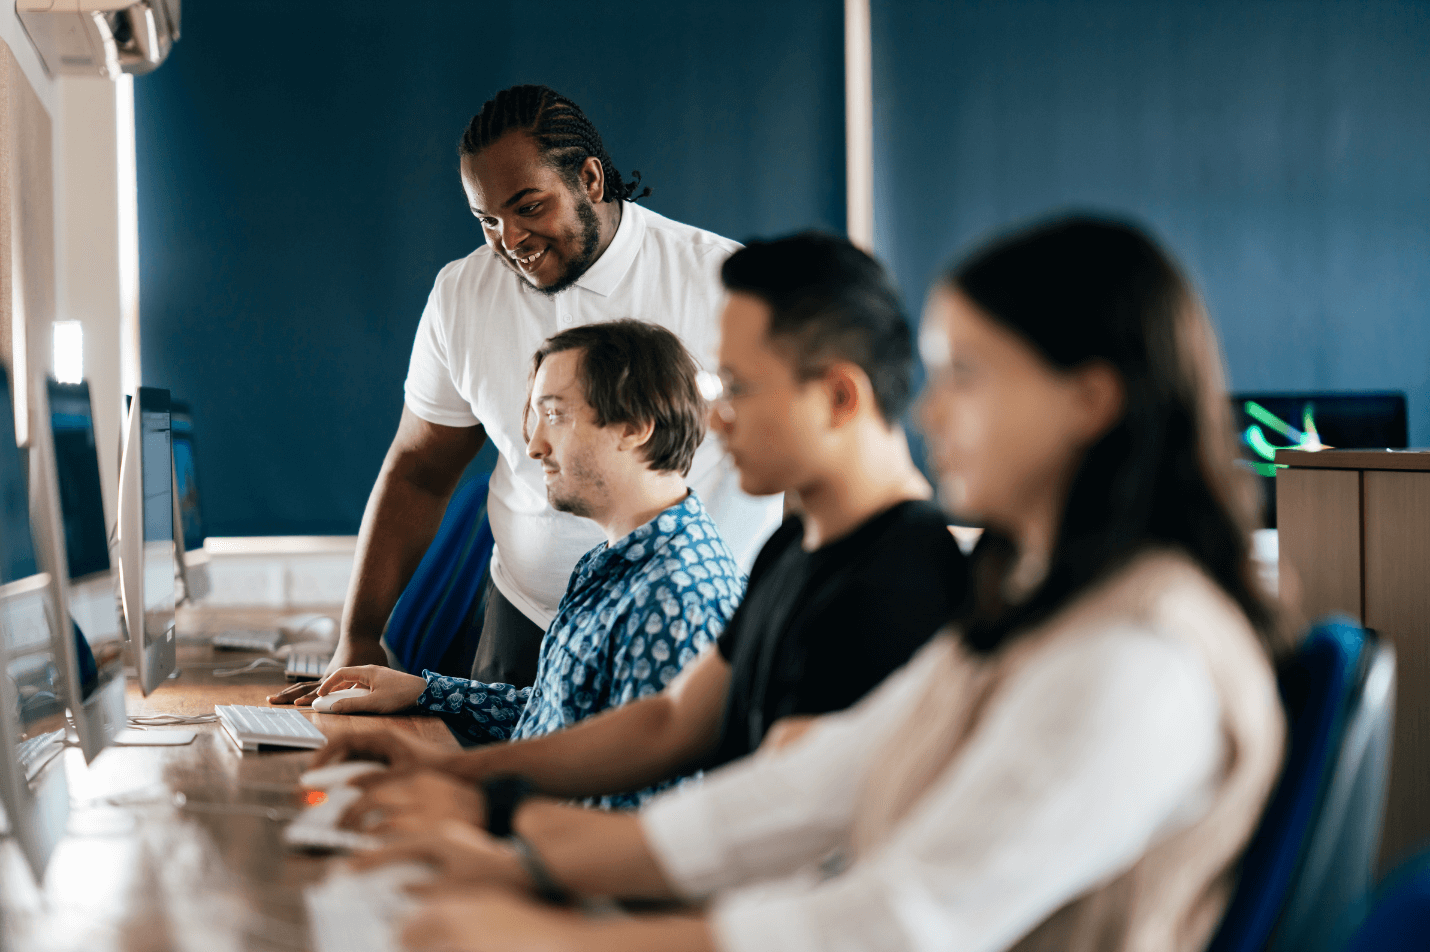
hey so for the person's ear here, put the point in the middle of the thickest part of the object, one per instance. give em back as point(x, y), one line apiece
point(635, 435)
point(1100, 398)
point(841, 382)
point(593, 179)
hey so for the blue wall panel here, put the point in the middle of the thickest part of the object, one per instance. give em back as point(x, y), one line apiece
point(1282, 150)
point(298, 192)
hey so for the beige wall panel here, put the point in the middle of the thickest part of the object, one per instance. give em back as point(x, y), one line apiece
point(1397, 601)
point(27, 221)
point(1318, 520)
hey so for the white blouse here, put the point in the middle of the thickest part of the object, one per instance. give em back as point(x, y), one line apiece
point(1096, 748)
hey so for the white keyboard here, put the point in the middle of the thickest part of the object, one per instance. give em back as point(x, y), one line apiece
point(39, 750)
point(308, 664)
point(362, 912)
point(247, 640)
point(254, 727)
point(316, 828)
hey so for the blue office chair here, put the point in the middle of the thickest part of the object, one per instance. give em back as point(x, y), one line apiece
point(1337, 869)
point(1399, 919)
point(443, 600)
point(1337, 693)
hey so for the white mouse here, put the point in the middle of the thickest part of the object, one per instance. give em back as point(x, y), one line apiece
point(326, 702)
point(337, 775)
point(308, 625)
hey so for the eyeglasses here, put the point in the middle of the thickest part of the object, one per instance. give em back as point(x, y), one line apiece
point(720, 390)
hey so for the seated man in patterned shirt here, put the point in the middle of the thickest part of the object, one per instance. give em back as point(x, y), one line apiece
point(614, 416)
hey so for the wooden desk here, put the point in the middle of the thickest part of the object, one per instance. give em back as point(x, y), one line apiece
point(178, 848)
point(1355, 529)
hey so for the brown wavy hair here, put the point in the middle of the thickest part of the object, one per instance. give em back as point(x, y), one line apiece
point(634, 372)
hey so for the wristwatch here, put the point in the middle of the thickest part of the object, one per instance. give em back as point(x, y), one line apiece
point(504, 794)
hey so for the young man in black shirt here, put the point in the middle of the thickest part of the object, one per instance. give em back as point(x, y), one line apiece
point(816, 362)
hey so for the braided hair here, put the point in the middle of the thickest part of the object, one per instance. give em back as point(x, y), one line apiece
point(566, 137)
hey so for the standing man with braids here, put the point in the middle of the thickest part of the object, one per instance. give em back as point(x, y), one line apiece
point(565, 245)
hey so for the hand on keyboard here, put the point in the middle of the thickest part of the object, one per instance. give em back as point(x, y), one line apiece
point(460, 918)
point(301, 693)
point(404, 803)
point(458, 851)
point(403, 753)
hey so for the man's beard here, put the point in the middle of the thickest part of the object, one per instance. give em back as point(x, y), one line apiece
point(578, 265)
point(587, 485)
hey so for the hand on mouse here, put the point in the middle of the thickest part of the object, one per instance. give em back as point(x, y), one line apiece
point(391, 690)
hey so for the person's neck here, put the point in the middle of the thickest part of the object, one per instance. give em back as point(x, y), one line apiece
point(609, 215)
point(871, 474)
point(1034, 530)
point(645, 498)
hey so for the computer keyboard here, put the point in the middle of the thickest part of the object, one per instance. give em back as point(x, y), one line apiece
point(316, 828)
point(247, 640)
point(308, 664)
point(254, 727)
point(362, 912)
point(39, 750)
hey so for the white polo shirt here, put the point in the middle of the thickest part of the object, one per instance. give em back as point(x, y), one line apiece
point(470, 361)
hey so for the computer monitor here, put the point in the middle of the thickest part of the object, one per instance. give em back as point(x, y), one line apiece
point(93, 596)
point(33, 691)
point(146, 536)
point(193, 560)
point(1267, 422)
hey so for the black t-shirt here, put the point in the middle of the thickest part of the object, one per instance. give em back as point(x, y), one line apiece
point(817, 630)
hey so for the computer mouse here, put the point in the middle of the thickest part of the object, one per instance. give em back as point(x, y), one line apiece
point(326, 702)
point(337, 775)
point(308, 625)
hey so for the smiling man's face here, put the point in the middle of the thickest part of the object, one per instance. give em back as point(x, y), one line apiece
point(538, 224)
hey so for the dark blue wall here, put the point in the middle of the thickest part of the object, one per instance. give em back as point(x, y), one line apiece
point(1281, 149)
point(298, 192)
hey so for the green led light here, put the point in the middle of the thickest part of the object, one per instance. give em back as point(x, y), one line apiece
point(1308, 423)
point(1259, 443)
point(1258, 412)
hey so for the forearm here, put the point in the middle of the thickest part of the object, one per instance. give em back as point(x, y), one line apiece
point(628, 748)
point(593, 852)
point(398, 524)
point(663, 933)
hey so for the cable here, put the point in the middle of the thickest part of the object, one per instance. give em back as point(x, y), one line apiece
point(255, 665)
point(144, 721)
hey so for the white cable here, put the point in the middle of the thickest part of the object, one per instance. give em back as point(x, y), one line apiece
point(142, 721)
point(252, 666)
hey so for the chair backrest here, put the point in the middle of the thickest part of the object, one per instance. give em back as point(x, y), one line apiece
point(1315, 686)
point(1338, 868)
point(1399, 918)
point(443, 593)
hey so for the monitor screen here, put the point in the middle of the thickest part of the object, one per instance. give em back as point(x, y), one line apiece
point(157, 477)
point(31, 664)
point(81, 498)
point(1267, 422)
point(186, 474)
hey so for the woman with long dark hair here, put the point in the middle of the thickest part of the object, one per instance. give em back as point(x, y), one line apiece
point(1077, 764)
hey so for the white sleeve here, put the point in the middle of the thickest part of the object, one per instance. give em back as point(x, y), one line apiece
point(429, 391)
point(772, 813)
point(1096, 749)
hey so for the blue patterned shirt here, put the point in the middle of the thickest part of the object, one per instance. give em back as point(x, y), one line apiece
point(633, 615)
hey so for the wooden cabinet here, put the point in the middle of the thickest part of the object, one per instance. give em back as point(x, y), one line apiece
point(1355, 530)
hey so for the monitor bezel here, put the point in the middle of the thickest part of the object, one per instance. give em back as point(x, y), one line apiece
point(157, 661)
point(99, 718)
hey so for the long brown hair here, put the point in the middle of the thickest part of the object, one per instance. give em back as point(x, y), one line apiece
point(1080, 289)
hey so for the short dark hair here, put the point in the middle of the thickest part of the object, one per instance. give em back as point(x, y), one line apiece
point(634, 372)
point(562, 131)
point(830, 301)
